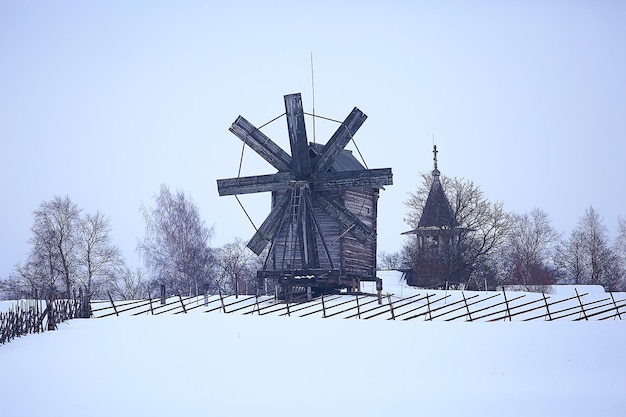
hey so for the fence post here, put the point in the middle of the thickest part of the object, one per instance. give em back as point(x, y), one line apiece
point(581, 304)
point(469, 313)
point(257, 308)
point(51, 323)
point(545, 300)
point(222, 301)
point(616, 307)
point(182, 303)
point(84, 310)
point(508, 311)
point(113, 304)
point(393, 315)
point(162, 294)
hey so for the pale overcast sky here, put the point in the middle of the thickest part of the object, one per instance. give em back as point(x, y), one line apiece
point(106, 101)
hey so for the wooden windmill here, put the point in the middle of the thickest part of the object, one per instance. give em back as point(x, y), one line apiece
point(320, 234)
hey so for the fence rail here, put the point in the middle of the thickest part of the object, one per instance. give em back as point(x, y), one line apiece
point(26, 318)
point(429, 305)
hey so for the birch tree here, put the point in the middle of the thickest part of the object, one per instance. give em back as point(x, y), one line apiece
point(98, 259)
point(587, 257)
point(530, 250)
point(53, 244)
point(236, 267)
point(69, 250)
point(175, 247)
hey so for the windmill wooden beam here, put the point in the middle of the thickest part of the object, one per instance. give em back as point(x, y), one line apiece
point(261, 144)
point(301, 161)
point(280, 181)
point(339, 140)
point(267, 232)
point(376, 178)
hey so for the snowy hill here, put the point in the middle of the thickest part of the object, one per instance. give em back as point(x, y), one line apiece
point(272, 365)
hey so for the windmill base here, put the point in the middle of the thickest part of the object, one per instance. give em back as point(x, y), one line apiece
point(296, 286)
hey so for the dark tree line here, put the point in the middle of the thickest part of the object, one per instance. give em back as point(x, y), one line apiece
point(495, 247)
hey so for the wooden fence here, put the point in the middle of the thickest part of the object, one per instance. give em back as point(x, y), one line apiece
point(26, 318)
point(427, 306)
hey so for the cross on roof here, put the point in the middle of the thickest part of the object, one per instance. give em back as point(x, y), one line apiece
point(435, 151)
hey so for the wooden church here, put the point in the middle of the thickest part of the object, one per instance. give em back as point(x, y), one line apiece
point(437, 237)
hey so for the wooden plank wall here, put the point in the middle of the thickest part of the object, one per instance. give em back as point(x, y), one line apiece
point(359, 256)
point(346, 251)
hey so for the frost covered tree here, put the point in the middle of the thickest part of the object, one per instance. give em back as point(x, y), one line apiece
point(175, 247)
point(129, 285)
point(52, 262)
point(389, 260)
point(69, 250)
point(98, 260)
point(587, 257)
point(529, 251)
point(483, 227)
point(620, 250)
point(236, 267)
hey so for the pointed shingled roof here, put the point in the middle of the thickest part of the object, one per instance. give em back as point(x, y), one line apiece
point(437, 211)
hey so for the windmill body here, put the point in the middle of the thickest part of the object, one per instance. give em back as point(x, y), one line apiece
point(320, 234)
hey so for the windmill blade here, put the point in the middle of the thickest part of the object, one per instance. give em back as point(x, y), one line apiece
point(261, 144)
point(346, 219)
point(339, 140)
point(255, 184)
point(300, 158)
point(376, 178)
point(267, 232)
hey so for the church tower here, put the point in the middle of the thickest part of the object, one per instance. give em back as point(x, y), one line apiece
point(437, 237)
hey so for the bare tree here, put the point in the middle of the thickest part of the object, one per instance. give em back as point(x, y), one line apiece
point(620, 250)
point(390, 260)
point(586, 257)
point(176, 244)
point(530, 250)
point(98, 259)
point(69, 250)
point(620, 241)
point(236, 268)
point(53, 251)
point(482, 230)
point(129, 285)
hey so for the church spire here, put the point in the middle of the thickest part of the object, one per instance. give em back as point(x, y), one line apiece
point(435, 171)
point(437, 211)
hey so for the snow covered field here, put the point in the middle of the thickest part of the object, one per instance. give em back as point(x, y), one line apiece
point(249, 365)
